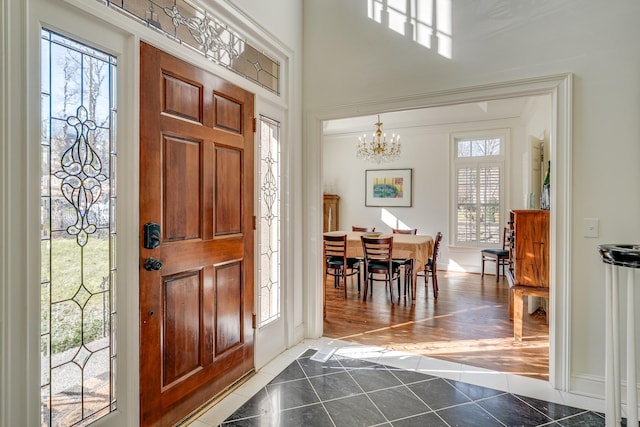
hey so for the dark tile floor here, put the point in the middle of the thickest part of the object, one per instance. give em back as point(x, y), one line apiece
point(350, 392)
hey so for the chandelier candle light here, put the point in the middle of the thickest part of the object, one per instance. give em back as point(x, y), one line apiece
point(378, 150)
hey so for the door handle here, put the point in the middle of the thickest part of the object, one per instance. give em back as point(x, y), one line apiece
point(152, 264)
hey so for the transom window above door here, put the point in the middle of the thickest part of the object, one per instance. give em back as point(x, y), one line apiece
point(197, 28)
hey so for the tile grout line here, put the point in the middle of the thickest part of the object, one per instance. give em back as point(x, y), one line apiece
point(316, 392)
point(363, 391)
point(475, 402)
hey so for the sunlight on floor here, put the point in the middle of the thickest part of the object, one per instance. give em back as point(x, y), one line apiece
point(432, 348)
point(427, 319)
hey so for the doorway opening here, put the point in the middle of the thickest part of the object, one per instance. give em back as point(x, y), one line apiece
point(558, 144)
point(469, 322)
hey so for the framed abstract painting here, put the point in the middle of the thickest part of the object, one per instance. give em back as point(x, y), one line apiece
point(388, 187)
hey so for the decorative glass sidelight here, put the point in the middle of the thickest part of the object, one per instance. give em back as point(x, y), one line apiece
point(269, 214)
point(189, 23)
point(78, 230)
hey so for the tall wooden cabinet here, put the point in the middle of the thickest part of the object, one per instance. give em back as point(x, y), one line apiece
point(529, 249)
point(529, 261)
point(331, 212)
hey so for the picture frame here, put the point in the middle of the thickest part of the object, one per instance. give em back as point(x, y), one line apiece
point(388, 187)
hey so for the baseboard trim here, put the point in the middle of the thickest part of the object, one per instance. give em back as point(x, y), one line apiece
point(593, 386)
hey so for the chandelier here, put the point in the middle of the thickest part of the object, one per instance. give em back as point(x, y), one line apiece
point(378, 150)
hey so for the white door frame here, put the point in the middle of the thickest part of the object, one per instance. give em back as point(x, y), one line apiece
point(21, 164)
point(104, 28)
point(274, 338)
point(560, 89)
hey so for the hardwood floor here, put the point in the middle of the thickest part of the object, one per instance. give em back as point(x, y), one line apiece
point(468, 323)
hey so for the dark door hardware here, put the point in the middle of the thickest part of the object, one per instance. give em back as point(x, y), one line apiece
point(151, 235)
point(152, 264)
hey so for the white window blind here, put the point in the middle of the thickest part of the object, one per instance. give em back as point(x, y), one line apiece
point(478, 191)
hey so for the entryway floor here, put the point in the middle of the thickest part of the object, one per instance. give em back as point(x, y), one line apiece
point(363, 385)
point(445, 362)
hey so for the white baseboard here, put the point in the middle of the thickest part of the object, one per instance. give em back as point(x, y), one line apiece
point(299, 333)
point(593, 386)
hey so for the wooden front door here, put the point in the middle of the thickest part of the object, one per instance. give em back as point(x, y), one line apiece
point(196, 184)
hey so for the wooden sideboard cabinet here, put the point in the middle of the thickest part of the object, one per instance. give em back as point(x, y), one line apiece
point(331, 212)
point(528, 261)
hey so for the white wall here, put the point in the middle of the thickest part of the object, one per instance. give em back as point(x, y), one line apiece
point(283, 20)
point(427, 151)
point(352, 60)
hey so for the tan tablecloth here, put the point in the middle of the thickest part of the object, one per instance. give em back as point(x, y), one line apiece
point(415, 246)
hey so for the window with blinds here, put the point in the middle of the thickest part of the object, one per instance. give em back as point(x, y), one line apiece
point(478, 165)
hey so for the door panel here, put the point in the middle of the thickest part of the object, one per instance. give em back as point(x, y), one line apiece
point(228, 186)
point(182, 98)
point(228, 307)
point(227, 114)
point(181, 327)
point(196, 332)
point(181, 164)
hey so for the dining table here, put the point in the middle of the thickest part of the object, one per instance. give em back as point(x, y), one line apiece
point(417, 247)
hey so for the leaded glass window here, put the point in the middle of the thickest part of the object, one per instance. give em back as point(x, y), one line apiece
point(197, 28)
point(269, 211)
point(78, 230)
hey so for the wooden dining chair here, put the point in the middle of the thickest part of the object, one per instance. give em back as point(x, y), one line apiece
point(337, 264)
point(378, 259)
point(403, 231)
point(497, 255)
point(431, 266)
point(407, 263)
point(363, 229)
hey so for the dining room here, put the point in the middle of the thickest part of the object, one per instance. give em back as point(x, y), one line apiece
point(429, 186)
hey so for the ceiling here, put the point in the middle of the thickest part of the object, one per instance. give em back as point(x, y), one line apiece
point(472, 112)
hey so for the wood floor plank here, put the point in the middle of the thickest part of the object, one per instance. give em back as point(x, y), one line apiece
point(468, 323)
